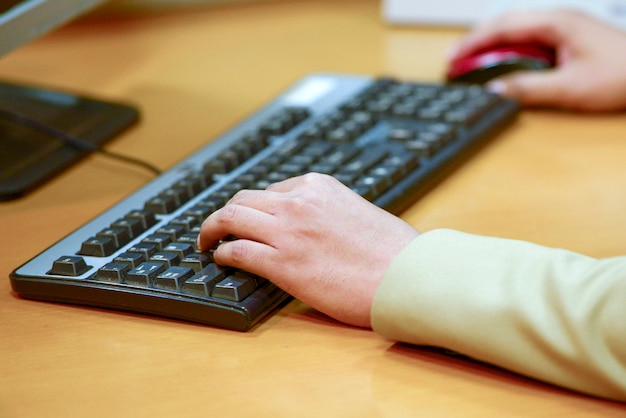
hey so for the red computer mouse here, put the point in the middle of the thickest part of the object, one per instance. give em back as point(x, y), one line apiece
point(488, 64)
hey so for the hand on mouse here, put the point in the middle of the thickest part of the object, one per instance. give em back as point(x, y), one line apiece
point(591, 59)
point(314, 238)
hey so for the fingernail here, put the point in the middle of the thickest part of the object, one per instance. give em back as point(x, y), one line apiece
point(496, 87)
point(453, 50)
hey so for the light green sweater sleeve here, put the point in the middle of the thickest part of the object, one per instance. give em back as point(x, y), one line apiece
point(546, 313)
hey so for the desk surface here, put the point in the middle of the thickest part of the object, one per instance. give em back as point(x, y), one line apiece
point(553, 178)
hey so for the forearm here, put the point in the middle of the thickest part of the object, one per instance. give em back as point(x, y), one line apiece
point(549, 314)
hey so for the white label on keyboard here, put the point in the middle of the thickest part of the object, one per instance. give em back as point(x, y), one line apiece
point(310, 91)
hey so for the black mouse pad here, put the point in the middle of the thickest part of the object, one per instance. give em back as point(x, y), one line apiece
point(28, 158)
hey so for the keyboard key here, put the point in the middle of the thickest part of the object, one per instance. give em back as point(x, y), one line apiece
point(221, 164)
point(161, 205)
point(298, 114)
point(212, 203)
point(255, 142)
point(133, 227)
point(235, 288)
point(404, 163)
point(196, 261)
point(180, 249)
point(202, 283)
point(390, 173)
point(132, 260)
point(340, 134)
point(144, 274)
point(190, 238)
point(143, 248)
point(167, 259)
point(365, 160)
point(225, 195)
point(371, 186)
point(288, 149)
point(172, 278)
point(69, 266)
point(283, 121)
point(171, 231)
point(364, 119)
point(445, 130)
point(401, 134)
point(158, 240)
point(199, 213)
point(422, 148)
point(178, 194)
point(119, 235)
point(191, 185)
point(342, 154)
point(184, 221)
point(317, 149)
point(98, 246)
point(112, 272)
point(146, 217)
point(201, 178)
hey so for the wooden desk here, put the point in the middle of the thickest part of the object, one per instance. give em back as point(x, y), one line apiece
point(556, 179)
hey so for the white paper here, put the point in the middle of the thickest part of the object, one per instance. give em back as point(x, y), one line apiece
point(611, 11)
point(469, 12)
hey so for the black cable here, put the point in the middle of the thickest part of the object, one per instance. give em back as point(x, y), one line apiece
point(52, 132)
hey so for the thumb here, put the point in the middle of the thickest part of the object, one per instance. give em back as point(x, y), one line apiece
point(532, 88)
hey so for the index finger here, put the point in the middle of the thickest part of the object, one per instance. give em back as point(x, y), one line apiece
point(238, 220)
point(513, 28)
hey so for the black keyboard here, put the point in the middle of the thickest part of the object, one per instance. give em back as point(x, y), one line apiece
point(389, 141)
